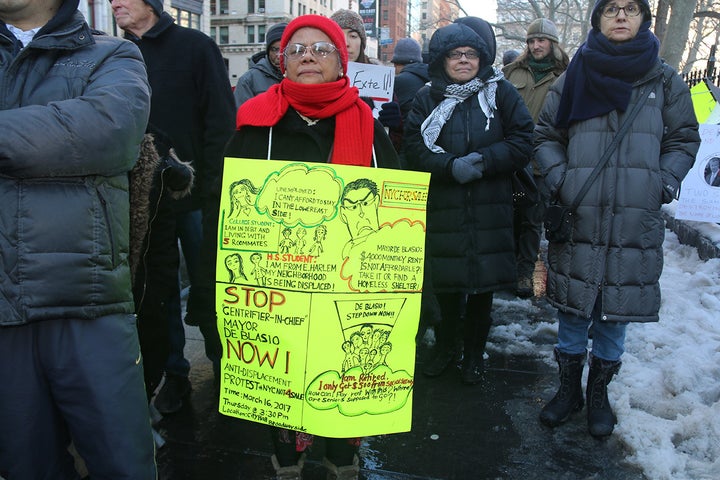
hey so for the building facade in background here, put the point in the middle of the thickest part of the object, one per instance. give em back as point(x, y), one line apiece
point(239, 26)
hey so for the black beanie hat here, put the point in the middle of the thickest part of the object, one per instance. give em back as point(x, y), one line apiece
point(157, 6)
point(274, 34)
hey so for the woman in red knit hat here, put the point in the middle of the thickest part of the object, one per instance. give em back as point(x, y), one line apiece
point(314, 116)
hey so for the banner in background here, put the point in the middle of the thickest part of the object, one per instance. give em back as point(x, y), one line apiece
point(368, 13)
point(700, 190)
point(373, 81)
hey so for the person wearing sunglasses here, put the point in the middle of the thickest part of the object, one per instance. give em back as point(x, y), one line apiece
point(315, 116)
point(470, 129)
point(607, 273)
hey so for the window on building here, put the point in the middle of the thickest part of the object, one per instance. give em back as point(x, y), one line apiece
point(261, 33)
point(213, 7)
point(183, 18)
point(291, 6)
point(224, 37)
point(251, 33)
point(251, 6)
point(224, 8)
point(261, 6)
point(385, 15)
point(213, 33)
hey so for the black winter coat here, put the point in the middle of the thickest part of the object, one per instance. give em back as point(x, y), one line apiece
point(192, 101)
point(294, 139)
point(407, 83)
point(470, 226)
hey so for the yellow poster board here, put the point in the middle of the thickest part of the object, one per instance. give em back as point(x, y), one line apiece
point(703, 101)
point(319, 278)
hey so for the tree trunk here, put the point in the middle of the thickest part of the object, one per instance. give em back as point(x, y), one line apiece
point(681, 15)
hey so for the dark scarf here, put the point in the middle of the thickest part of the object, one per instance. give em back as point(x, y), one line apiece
point(540, 68)
point(354, 123)
point(600, 77)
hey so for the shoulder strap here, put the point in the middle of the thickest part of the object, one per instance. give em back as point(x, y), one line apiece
point(611, 148)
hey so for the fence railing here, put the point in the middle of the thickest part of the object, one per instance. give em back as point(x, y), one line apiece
point(694, 77)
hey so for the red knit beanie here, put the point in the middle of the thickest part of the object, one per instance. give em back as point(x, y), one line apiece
point(327, 26)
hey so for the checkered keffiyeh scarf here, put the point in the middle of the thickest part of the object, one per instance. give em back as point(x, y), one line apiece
point(455, 94)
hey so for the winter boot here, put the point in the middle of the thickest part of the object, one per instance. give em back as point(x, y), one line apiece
point(472, 367)
point(445, 351)
point(344, 472)
point(476, 335)
point(601, 419)
point(569, 397)
point(290, 472)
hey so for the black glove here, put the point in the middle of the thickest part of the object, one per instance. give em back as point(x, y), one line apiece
point(178, 176)
point(670, 189)
point(468, 168)
point(389, 115)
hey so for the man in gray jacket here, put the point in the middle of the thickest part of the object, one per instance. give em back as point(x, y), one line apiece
point(265, 72)
point(73, 110)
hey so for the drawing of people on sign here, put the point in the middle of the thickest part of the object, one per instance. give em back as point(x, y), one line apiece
point(318, 239)
point(300, 241)
point(359, 211)
point(242, 198)
point(287, 243)
point(258, 272)
point(234, 265)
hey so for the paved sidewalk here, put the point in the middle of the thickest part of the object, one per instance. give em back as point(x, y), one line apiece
point(459, 432)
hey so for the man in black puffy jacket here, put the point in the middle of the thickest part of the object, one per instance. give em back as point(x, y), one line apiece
point(73, 111)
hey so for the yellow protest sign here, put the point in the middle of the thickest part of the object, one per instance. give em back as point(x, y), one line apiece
point(703, 101)
point(319, 277)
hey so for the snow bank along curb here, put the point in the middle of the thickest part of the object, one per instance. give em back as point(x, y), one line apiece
point(704, 236)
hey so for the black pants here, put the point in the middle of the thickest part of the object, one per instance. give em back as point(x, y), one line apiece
point(527, 228)
point(465, 317)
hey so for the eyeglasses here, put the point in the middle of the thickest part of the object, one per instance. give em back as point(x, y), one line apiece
point(296, 51)
point(457, 55)
point(612, 11)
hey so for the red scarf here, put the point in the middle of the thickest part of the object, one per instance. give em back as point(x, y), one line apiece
point(354, 123)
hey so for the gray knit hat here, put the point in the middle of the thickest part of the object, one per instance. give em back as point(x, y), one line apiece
point(274, 34)
point(509, 56)
point(156, 5)
point(542, 28)
point(407, 50)
point(352, 20)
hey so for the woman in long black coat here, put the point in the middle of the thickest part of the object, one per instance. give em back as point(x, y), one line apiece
point(470, 129)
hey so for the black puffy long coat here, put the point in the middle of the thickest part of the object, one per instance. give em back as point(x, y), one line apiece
point(470, 226)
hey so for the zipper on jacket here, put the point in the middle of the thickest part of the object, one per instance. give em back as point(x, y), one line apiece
point(106, 215)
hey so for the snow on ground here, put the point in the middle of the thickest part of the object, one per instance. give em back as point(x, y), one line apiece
point(667, 394)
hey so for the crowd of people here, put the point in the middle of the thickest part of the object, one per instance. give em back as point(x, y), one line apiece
point(107, 176)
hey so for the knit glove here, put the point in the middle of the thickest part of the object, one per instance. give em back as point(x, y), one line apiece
point(389, 115)
point(670, 189)
point(468, 168)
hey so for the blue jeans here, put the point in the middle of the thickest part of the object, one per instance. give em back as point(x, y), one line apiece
point(189, 232)
point(608, 338)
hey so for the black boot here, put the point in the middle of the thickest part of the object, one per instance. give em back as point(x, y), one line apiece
point(444, 355)
point(601, 419)
point(472, 367)
point(569, 397)
point(445, 351)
